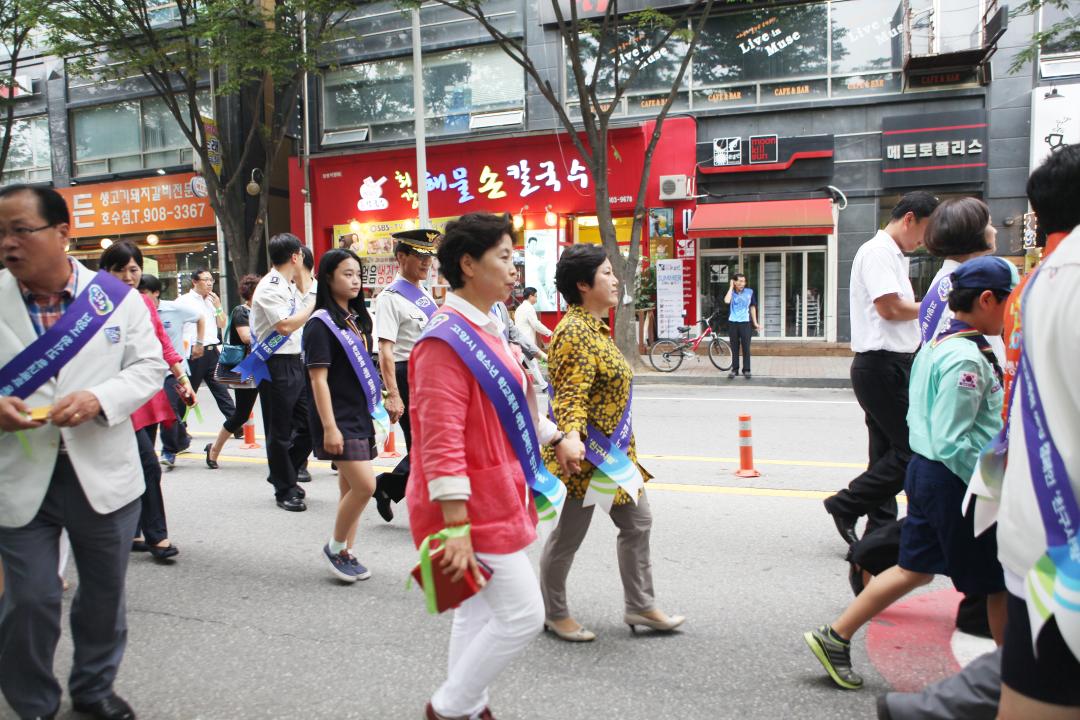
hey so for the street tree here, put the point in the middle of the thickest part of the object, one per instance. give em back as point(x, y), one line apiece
point(1063, 35)
point(607, 57)
point(18, 19)
point(257, 51)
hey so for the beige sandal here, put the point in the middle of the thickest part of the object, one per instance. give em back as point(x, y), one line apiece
point(579, 635)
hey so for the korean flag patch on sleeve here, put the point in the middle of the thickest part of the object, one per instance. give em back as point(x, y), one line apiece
point(968, 380)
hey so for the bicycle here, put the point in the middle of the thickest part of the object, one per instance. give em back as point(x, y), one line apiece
point(667, 354)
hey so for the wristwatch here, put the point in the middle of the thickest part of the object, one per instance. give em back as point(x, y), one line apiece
point(562, 436)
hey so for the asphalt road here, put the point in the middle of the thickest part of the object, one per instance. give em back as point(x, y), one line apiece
point(247, 623)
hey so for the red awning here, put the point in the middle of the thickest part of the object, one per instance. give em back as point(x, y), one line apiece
point(770, 217)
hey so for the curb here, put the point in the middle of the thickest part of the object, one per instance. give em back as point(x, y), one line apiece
point(756, 381)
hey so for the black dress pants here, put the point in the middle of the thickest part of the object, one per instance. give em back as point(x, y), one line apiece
point(393, 483)
point(202, 370)
point(880, 380)
point(739, 334)
point(245, 402)
point(175, 439)
point(284, 407)
point(152, 518)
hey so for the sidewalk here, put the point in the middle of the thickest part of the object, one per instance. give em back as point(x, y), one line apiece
point(768, 371)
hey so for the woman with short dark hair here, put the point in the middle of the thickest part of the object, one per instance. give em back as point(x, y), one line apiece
point(592, 394)
point(959, 230)
point(238, 333)
point(124, 260)
point(470, 469)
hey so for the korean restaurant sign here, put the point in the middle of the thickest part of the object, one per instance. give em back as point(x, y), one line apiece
point(536, 172)
point(934, 149)
point(153, 204)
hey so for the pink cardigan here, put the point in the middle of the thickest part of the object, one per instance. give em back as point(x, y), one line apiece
point(456, 431)
point(157, 409)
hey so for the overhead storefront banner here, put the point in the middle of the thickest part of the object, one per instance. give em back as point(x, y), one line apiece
point(934, 149)
point(153, 204)
point(765, 153)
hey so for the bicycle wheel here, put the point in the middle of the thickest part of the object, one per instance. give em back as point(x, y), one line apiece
point(720, 353)
point(666, 355)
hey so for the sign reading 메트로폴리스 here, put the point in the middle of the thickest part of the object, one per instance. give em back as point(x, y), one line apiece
point(934, 149)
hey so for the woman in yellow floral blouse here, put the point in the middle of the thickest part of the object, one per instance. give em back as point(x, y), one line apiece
point(591, 381)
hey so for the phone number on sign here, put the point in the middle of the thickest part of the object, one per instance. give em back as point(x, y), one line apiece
point(190, 211)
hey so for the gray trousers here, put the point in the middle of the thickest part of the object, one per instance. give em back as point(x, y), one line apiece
point(635, 567)
point(972, 694)
point(31, 605)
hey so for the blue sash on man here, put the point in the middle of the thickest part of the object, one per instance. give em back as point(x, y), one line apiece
point(501, 387)
point(364, 368)
point(413, 294)
point(614, 468)
point(44, 358)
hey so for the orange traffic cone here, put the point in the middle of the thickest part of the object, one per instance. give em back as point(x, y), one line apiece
point(249, 434)
point(746, 449)
point(389, 450)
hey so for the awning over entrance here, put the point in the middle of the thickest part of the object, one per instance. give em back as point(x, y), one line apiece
point(770, 217)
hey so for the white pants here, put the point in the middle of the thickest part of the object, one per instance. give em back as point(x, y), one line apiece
point(490, 629)
point(533, 367)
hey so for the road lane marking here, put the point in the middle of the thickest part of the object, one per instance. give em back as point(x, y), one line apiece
point(747, 400)
point(654, 485)
point(757, 461)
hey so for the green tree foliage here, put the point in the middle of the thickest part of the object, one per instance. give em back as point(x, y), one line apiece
point(1061, 35)
point(607, 57)
point(259, 51)
point(18, 19)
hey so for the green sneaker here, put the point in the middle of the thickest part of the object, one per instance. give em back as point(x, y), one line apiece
point(834, 656)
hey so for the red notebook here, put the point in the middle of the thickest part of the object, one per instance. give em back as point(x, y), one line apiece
point(449, 595)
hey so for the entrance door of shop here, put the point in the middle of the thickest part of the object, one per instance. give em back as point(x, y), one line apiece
point(789, 283)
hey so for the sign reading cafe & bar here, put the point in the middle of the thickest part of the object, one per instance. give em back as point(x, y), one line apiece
point(934, 149)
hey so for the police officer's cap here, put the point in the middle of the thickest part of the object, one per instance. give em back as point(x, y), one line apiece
point(421, 242)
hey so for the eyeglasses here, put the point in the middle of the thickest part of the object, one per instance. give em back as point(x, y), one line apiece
point(22, 232)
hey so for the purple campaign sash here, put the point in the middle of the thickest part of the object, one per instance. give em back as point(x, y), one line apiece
point(413, 294)
point(613, 467)
point(363, 366)
point(933, 307)
point(507, 396)
point(1053, 584)
point(44, 358)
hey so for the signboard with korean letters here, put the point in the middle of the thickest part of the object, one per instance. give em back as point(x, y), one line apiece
point(934, 149)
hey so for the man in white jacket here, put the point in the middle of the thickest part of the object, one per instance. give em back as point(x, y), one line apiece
point(78, 355)
point(529, 325)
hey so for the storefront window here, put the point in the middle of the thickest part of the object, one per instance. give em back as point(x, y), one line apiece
point(28, 158)
point(458, 84)
point(133, 135)
point(650, 85)
point(866, 37)
point(1064, 42)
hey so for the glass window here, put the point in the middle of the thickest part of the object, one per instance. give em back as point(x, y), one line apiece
point(135, 135)
point(793, 284)
point(763, 44)
point(28, 157)
point(457, 85)
point(866, 36)
point(1063, 42)
point(636, 48)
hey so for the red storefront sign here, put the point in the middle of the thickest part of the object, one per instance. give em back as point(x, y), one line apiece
point(541, 172)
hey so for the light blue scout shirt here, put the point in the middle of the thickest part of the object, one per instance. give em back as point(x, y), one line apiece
point(954, 404)
point(174, 316)
point(740, 305)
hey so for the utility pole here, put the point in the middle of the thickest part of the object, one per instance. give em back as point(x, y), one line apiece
point(306, 159)
point(418, 122)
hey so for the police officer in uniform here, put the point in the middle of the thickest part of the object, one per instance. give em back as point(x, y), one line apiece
point(402, 311)
point(282, 304)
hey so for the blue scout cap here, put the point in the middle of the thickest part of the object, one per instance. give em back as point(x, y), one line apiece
point(986, 272)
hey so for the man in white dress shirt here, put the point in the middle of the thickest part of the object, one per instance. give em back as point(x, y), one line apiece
point(206, 349)
point(528, 324)
point(884, 336)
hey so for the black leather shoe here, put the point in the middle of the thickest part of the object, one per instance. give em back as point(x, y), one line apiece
point(212, 464)
point(301, 492)
point(303, 475)
point(164, 553)
point(112, 707)
point(292, 504)
point(846, 527)
point(382, 504)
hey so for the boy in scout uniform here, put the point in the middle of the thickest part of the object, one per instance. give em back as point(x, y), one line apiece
point(402, 311)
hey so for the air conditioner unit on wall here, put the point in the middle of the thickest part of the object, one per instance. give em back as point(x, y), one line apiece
point(676, 187)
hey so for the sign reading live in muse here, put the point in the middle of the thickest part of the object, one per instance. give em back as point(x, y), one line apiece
point(934, 149)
